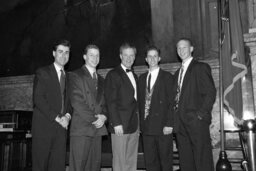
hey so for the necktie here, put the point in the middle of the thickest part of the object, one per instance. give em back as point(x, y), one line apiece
point(94, 78)
point(62, 81)
point(62, 87)
point(177, 98)
point(180, 77)
point(149, 81)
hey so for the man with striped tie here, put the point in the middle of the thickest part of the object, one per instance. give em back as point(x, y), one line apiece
point(51, 112)
point(195, 96)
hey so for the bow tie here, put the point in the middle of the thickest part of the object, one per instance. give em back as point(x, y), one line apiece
point(128, 70)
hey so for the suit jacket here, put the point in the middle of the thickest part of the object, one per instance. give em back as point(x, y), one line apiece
point(85, 103)
point(47, 100)
point(198, 93)
point(161, 111)
point(121, 104)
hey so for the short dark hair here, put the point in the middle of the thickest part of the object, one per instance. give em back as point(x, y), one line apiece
point(90, 46)
point(62, 42)
point(185, 39)
point(126, 46)
point(153, 47)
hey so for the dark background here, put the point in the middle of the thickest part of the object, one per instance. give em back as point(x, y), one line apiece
point(29, 27)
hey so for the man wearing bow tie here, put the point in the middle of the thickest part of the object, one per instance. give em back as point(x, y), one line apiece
point(51, 112)
point(195, 96)
point(121, 98)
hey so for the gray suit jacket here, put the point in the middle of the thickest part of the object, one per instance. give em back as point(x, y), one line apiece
point(85, 103)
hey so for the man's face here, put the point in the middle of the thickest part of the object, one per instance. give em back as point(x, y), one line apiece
point(92, 57)
point(61, 55)
point(184, 49)
point(127, 57)
point(153, 58)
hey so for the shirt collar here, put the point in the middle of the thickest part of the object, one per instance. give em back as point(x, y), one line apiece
point(90, 69)
point(57, 67)
point(123, 67)
point(154, 72)
point(187, 62)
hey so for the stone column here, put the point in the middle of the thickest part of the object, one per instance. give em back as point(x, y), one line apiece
point(250, 42)
point(252, 14)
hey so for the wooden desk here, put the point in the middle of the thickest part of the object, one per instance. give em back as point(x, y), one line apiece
point(15, 150)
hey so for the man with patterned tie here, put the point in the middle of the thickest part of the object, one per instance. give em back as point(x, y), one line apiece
point(156, 113)
point(193, 104)
point(121, 98)
point(89, 114)
point(51, 112)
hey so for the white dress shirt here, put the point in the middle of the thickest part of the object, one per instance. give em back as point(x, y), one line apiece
point(58, 69)
point(132, 79)
point(185, 67)
point(154, 75)
point(91, 70)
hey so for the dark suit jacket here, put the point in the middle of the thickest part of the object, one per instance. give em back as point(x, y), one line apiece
point(85, 104)
point(198, 93)
point(161, 110)
point(47, 102)
point(121, 104)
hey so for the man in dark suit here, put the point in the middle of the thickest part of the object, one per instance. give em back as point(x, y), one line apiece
point(89, 114)
point(193, 104)
point(51, 112)
point(121, 98)
point(156, 113)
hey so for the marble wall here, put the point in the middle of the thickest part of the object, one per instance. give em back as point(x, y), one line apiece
point(16, 93)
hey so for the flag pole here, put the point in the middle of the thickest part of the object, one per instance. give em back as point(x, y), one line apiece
point(250, 127)
point(222, 164)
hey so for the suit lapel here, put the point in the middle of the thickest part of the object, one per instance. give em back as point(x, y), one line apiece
point(55, 78)
point(157, 84)
point(100, 89)
point(176, 75)
point(126, 78)
point(187, 77)
point(143, 89)
point(88, 80)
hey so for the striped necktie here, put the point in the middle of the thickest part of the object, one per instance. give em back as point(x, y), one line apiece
point(62, 87)
point(149, 82)
point(177, 98)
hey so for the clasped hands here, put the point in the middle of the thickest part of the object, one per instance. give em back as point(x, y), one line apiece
point(167, 130)
point(63, 121)
point(100, 120)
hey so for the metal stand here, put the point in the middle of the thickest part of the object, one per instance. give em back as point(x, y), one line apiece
point(223, 164)
point(250, 127)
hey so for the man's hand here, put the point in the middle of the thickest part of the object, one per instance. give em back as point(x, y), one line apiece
point(64, 121)
point(100, 120)
point(119, 130)
point(167, 130)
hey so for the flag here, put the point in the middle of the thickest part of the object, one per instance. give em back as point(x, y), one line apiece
point(233, 59)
